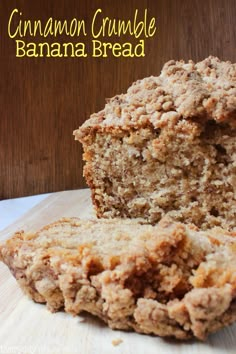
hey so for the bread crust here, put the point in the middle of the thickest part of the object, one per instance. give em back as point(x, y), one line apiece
point(204, 91)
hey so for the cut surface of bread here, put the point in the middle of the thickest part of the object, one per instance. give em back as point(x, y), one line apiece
point(168, 280)
point(167, 147)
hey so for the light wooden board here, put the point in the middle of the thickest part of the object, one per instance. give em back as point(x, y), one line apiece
point(27, 327)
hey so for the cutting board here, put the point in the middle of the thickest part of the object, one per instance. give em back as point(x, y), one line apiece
point(29, 328)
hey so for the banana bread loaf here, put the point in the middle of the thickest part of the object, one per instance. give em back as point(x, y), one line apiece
point(167, 147)
point(168, 280)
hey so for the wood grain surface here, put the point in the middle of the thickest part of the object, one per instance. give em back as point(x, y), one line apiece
point(29, 328)
point(42, 100)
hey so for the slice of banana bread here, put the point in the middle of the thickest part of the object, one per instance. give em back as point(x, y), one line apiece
point(169, 279)
point(167, 147)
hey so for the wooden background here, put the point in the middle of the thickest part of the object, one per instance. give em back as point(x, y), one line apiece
point(42, 100)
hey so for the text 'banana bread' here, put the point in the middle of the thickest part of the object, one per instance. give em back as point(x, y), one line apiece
point(167, 147)
point(168, 280)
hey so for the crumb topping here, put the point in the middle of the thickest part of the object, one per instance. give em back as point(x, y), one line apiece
point(183, 90)
point(168, 280)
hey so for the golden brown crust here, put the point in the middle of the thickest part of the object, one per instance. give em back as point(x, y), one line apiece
point(184, 90)
point(169, 280)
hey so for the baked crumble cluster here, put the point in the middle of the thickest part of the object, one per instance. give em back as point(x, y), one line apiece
point(167, 147)
point(168, 280)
